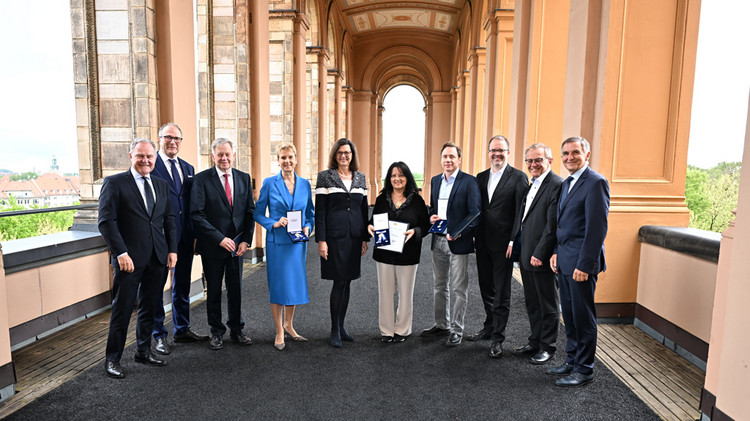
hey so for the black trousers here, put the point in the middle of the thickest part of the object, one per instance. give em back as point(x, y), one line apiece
point(540, 291)
point(495, 273)
point(230, 269)
point(145, 284)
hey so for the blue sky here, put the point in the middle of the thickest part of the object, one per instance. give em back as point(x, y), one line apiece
point(37, 111)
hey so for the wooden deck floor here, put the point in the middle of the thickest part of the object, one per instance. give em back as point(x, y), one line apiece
point(666, 382)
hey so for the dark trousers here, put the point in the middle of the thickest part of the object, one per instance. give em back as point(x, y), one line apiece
point(230, 269)
point(540, 291)
point(495, 274)
point(143, 283)
point(180, 293)
point(579, 315)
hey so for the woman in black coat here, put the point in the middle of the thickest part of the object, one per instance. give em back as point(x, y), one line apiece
point(341, 229)
point(402, 202)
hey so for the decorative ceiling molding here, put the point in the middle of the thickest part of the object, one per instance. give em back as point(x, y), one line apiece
point(363, 16)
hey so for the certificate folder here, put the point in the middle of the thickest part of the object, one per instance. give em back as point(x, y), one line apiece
point(461, 227)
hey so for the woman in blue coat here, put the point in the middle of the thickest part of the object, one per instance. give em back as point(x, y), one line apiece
point(286, 260)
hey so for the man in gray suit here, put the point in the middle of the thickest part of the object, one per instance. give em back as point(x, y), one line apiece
point(535, 226)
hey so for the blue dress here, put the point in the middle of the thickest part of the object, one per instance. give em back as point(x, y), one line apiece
point(285, 261)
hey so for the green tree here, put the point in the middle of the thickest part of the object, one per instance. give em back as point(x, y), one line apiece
point(28, 175)
point(712, 194)
point(24, 226)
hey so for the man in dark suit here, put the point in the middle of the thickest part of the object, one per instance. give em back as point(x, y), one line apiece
point(136, 221)
point(454, 195)
point(502, 188)
point(179, 175)
point(535, 229)
point(579, 257)
point(221, 208)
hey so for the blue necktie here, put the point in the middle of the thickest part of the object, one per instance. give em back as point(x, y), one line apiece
point(565, 188)
point(176, 175)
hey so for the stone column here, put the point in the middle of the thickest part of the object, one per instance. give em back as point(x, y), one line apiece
point(364, 107)
point(299, 97)
point(499, 27)
point(439, 110)
point(115, 88)
point(338, 133)
point(323, 110)
point(475, 155)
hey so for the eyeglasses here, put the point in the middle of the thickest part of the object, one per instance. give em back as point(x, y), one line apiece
point(172, 139)
point(499, 150)
point(534, 161)
point(343, 153)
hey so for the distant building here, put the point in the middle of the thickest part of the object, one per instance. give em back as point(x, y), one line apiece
point(50, 189)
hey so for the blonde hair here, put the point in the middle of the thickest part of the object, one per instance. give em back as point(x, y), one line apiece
point(285, 147)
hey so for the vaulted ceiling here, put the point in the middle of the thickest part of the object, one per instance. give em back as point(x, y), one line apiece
point(363, 16)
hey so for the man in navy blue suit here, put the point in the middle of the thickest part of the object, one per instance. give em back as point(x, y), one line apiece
point(579, 257)
point(137, 223)
point(459, 192)
point(179, 175)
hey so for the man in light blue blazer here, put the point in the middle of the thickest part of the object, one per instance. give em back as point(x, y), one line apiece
point(579, 257)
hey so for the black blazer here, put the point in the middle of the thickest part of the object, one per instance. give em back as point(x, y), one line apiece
point(340, 213)
point(498, 216)
point(180, 199)
point(213, 218)
point(464, 200)
point(537, 230)
point(414, 212)
point(127, 227)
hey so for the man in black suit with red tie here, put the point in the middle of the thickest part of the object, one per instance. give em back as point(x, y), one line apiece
point(221, 208)
point(137, 223)
point(582, 214)
point(502, 188)
point(534, 230)
point(179, 175)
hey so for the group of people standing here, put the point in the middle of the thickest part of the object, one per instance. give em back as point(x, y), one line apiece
point(156, 215)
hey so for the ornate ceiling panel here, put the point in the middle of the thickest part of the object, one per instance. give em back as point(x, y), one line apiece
point(369, 15)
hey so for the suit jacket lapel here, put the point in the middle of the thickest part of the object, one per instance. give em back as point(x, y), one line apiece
point(503, 180)
point(575, 188)
point(282, 190)
point(220, 188)
point(456, 184)
point(539, 192)
point(136, 192)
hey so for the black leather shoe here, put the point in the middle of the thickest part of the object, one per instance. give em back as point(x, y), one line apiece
point(480, 336)
point(541, 357)
point(148, 357)
point(453, 340)
point(161, 346)
point(190, 336)
point(435, 330)
point(560, 370)
point(386, 339)
point(526, 349)
point(241, 338)
point(398, 338)
point(216, 343)
point(113, 370)
point(575, 379)
point(496, 350)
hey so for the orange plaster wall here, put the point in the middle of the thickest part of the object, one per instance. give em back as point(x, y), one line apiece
point(5, 356)
point(677, 287)
point(39, 291)
point(619, 283)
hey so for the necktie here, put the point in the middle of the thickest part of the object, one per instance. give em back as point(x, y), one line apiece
point(565, 188)
point(149, 196)
point(176, 175)
point(227, 189)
